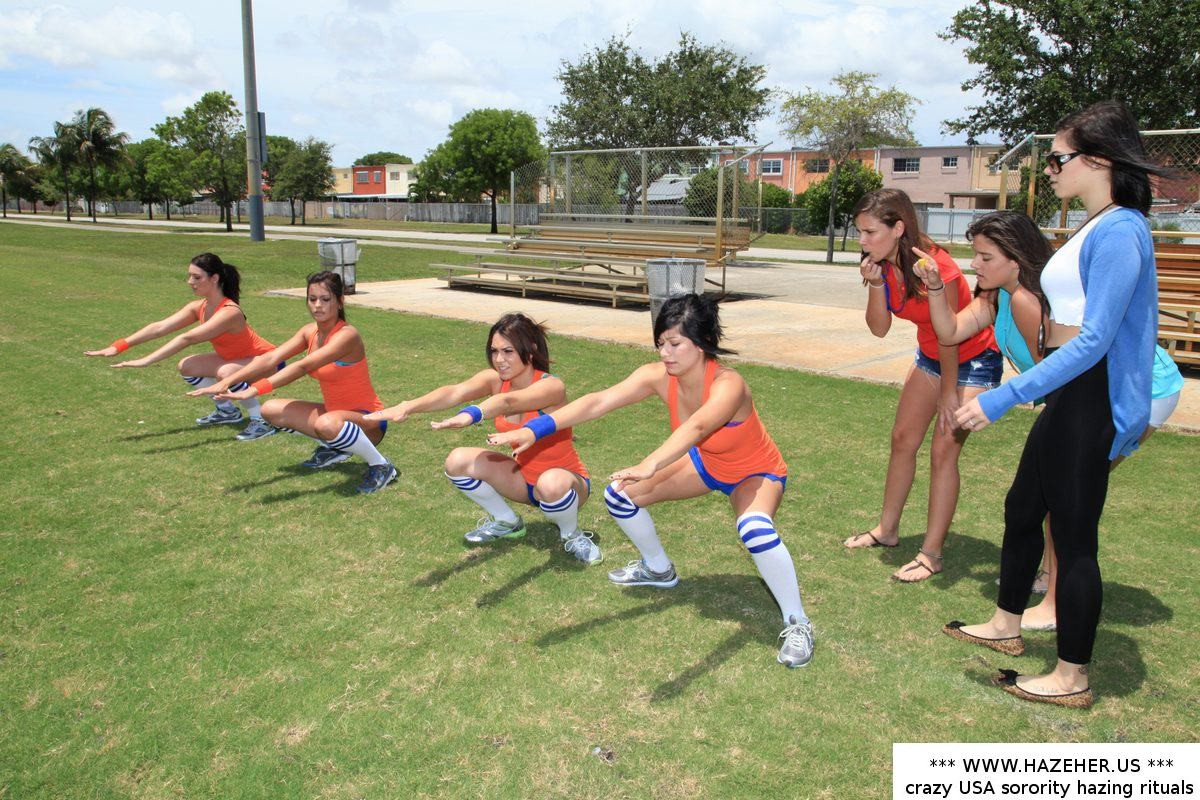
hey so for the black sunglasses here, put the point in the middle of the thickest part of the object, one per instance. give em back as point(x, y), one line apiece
point(1055, 161)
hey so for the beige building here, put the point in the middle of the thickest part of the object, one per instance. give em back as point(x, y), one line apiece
point(948, 177)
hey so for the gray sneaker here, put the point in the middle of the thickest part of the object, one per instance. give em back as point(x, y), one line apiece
point(257, 429)
point(580, 545)
point(797, 648)
point(219, 417)
point(636, 573)
point(324, 457)
point(377, 477)
point(489, 530)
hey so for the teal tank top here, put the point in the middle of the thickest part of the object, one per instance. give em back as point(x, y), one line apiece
point(1010, 340)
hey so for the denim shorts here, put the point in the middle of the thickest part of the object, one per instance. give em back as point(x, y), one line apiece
point(982, 371)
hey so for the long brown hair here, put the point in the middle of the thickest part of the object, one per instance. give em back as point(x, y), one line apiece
point(890, 206)
point(333, 282)
point(1018, 238)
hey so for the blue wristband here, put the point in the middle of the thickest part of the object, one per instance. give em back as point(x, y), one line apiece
point(542, 426)
point(473, 412)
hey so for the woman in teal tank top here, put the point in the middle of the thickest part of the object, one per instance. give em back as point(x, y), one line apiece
point(1010, 253)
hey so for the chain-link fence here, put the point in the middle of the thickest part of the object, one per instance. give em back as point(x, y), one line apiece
point(1176, 201)
point(695, 186)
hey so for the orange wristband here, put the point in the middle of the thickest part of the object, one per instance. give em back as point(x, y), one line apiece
point(121, 345)
point(263, 387)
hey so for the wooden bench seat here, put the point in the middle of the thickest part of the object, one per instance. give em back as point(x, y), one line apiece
point(523, 279)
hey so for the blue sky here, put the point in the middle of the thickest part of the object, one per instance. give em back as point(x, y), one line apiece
point(369, 75)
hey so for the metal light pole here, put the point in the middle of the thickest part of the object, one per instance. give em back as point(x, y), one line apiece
point(253, 156)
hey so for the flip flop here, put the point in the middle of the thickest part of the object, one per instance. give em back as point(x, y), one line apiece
point(874, 542)
point(1006, 679)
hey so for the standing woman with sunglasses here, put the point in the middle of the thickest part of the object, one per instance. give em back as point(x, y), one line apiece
point(1096, 379)
point(940, 379)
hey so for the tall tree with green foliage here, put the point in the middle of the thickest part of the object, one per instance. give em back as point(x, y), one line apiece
point(59, 157)
point(212, 135)
point(697, 94)
point(381, 158)
point(157, 173)
point(857, 115)
point(1042, 59)
point(13, 164)
point(855, 180)
point(306, 174)
point(483, 149)
point(280, 151)
point(101, 145)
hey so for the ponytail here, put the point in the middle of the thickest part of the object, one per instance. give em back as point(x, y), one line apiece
point(228, 277)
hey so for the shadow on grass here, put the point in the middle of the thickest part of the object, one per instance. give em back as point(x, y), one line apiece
point(1117, 668)
point(717, 597)
point(542, 536)
point(966, 558)
point(188, 446)
point(352, 474)
point(156, 434)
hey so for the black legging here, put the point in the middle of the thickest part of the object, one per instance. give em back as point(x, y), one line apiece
point(1063, 472)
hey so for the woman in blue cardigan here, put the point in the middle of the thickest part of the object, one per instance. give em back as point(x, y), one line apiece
point(1103, 298)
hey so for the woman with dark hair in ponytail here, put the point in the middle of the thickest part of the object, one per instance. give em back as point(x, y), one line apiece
point(336, 357)
point(1096, 377)
point(717, 442)
point(221, 322)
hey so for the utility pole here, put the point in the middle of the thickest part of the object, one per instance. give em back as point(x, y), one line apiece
point(253, 155)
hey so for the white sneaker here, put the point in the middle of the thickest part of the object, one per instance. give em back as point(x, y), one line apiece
point(580, 545)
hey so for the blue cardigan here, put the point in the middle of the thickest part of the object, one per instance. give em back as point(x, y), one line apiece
point(1120, 320)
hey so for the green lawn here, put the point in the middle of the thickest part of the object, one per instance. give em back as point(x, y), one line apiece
point(184, 615)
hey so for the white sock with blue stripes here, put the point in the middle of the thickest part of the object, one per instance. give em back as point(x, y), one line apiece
point(352, 440)
point(635, 521)
point(563, 512)
point(774, 562)
point(204, 383)
point(252, 406)
point(486, 497)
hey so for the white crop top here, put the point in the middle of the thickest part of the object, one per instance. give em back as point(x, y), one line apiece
point(1061, 280)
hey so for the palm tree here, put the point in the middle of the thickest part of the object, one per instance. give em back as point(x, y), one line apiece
point(61, 152)
point(99, 145)
point(12, 164)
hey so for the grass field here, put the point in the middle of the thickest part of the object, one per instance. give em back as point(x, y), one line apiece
point(184, 615)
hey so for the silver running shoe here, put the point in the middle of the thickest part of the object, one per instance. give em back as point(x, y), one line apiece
point(324, 457)
point(797, 648)
point(219, 417)
point(377, 477)
point(636, 573)
point(489, 530)
point(257, 429)
point(580, 545)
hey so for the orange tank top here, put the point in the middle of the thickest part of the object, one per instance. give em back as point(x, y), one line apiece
point(739, 449)
point(233, 346)
point(555, 451)
point(345, 386)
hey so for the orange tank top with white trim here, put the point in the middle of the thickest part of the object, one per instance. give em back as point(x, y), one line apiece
point(345, 386)
point(233, 346)
point(736, 450)
point(556, 451)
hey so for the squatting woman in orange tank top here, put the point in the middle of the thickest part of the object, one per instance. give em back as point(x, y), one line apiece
point(220, 321)
point(336, 357)
point(717, 442)
point(516, 388)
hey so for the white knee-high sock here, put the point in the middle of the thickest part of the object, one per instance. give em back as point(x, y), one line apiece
point(774, 562)
point(484, 496)
point(635, 521)
point(563, 512)
point(353, 440)
point(204, 383)
point(252, 406)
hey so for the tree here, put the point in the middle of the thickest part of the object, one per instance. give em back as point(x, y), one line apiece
point(483, 149)
point(156, 174)
point(775, 198)
point(306, 174)
point(12, 167)
point(1042, 59)
point(211, 134)
point(280, 150)
point(58, 155)
point(100, 145)
point(858, 115)
point(856, 179)
point(381, 158)
point(697, 94)
point(701, 197)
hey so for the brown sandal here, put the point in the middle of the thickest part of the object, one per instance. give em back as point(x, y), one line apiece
point(1007, 680)
point(874, 542)
point(917, 563)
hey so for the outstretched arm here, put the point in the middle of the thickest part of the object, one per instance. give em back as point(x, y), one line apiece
point(340, 344)
point(481, 384)
point(637, 387)
point(224, 321)
point(951, 328)
point(180, 319)
point(544, 393)
point(263, 366)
